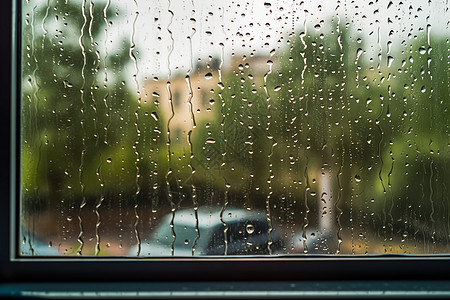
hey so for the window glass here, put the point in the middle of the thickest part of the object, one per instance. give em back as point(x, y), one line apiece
point(234, 128)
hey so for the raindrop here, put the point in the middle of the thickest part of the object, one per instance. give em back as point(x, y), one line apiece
point(208, 75)
point(210, 141)
point(277, 88)
point(267, 5)
point(109, 160)
point(390, 59)
point(358, 53)
point(422, 50)
point(250, 228)
point(154, 115)
point(357, 178)
point(67, 84)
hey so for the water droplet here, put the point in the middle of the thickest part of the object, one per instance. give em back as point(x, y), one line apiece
point(154, 115)
point(69, 218)
point(67, 84)
point(250, 228)
point(357, 178)
point(359, 52)
point(208, 75)
point(422, 50)
point(267, 5)
point(317, 27)
point(109, 160)
point(390, 59)
point(277, 88)
point(210, 141)
point(423, 89)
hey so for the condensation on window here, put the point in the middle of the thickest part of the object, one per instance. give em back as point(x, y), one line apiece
point(183, 128)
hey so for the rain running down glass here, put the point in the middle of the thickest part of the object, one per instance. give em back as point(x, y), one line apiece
point(234, 128)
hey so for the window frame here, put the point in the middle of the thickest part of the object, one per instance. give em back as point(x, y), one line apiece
point(72, 269)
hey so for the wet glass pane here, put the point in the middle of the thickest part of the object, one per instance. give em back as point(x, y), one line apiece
point(160, 128)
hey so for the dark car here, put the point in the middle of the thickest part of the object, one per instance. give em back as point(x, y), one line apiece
point(237, 232)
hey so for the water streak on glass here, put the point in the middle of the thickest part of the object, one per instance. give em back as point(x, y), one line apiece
point(105, 69)
point(34, 99)
point(170, 99)
point(189, 137)
point(82, 122)
point(339, 199)
point(138, 131)
point(44, 29)
point(339, 172)
point(97, 206)
point(307, 209)
point(269, 158)
point(224, 137)
point(433, 221)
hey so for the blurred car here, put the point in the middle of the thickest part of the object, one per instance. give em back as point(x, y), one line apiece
point(31, 245)
point(246, 233)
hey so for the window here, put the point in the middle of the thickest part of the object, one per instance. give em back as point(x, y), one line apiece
point(320, 117)
point(327, 128)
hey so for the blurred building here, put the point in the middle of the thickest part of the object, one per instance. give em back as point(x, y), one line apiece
point(186, 98)
point(182, 100)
